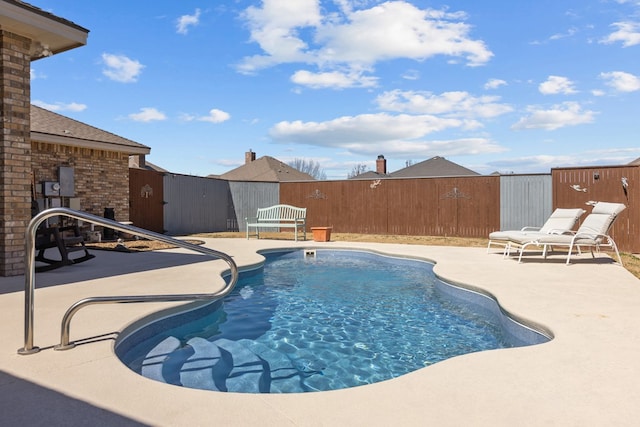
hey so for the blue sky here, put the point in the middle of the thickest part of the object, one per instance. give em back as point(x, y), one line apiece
point(494, 85)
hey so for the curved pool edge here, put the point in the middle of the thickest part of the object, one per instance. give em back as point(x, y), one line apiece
point(574, 380)
point(520, 329)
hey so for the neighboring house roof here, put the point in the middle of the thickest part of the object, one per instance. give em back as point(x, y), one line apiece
point(370, 175)
point(47, 126)
point(436, 166)
point(635, 162)
point(265, 169)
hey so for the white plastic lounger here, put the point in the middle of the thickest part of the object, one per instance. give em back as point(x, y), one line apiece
point(560, 221)
point(594, 232)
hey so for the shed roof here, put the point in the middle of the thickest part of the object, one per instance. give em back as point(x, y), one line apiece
point(54, 128)
point(266, 169)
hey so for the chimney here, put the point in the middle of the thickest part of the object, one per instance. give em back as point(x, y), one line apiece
point(249, 157)
point(381, 165)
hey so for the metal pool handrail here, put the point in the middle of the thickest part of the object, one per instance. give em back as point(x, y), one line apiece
point(30, 265)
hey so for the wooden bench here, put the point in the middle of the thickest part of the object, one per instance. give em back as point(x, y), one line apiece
point(279, 216)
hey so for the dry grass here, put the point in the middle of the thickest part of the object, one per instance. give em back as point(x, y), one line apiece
point(631, 262)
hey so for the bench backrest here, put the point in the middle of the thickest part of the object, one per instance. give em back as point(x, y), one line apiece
point(281, 212)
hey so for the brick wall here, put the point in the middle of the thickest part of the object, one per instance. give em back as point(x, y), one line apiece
point(15, 147)
point(101, 177)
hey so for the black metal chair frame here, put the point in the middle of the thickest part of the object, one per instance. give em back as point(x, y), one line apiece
point(66, 240)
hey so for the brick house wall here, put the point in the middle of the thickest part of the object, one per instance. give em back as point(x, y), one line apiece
point(101, 176)
point(15, 148)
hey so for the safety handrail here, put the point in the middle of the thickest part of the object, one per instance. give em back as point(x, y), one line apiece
point(29, 286)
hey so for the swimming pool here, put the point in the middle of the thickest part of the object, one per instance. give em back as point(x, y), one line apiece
point(321, 320)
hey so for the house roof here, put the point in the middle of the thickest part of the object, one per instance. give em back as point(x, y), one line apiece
point(266, 169)
point(370, 175)
point(435, 166)
point(635, 162)
point(54, 128)
point(50, 33)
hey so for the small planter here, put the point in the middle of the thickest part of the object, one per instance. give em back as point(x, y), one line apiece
point(321, 234)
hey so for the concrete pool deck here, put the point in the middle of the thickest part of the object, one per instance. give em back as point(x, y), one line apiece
point(588, 375)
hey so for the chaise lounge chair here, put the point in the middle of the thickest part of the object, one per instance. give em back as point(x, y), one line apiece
point(594, 233)
point(560, 221)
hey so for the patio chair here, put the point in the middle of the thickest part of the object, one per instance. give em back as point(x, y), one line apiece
point(593, 232)
point(66, 240)
point(560, 221)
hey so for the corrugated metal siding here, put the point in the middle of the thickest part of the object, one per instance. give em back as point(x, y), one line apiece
point(195, 204)
point(247, 197)
point(607, 187)
point(525, 200)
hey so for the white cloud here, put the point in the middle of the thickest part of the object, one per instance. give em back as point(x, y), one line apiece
point(371, 134)
point(453, 104)
point(120, 68)
point(297, 31)
point(559, 116)
point(396, 135)
point(60, 106)
point(544, 162)
point(148, 114)
point(570, 32)
point(215, 116)
point(33, 74)
point(333, 79)
point(494, 84)
point(628, 33)
point(397, 29)
point(275, 27)
point(411, 75)
point(555, 85)
point(186, 21)
point(365, 128)
point(621, 81)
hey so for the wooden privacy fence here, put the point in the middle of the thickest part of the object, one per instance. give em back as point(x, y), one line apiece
point(460, 206)
point(448, 206)
point(575, 187)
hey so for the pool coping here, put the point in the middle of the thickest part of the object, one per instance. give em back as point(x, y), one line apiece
point(586, 375)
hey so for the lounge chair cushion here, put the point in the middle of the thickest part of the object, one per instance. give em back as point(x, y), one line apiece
point(561, 220)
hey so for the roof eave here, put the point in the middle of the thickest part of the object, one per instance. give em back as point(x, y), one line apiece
point(84, 143)
point(49, 33)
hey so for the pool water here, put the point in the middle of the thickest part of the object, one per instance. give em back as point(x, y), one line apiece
point(329, 321)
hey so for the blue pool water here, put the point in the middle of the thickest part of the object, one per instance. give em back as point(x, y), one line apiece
point(311, 323)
